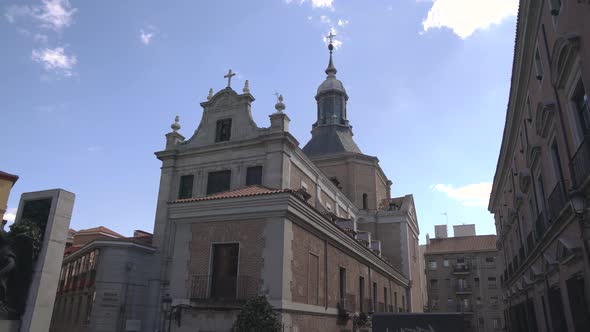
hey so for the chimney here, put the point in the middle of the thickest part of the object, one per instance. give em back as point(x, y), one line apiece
point(440, 231)
point(427, 239)
point(464, 230)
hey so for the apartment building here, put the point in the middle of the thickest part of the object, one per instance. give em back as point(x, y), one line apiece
point(462, 275)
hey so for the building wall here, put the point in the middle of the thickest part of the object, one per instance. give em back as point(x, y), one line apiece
point(532, 217)
point(482, 290)
point(118, 294)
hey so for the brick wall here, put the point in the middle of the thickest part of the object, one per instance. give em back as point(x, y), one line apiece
point(249, 234)
point(305, 243)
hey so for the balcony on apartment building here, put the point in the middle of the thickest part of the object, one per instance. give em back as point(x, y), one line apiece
point(461, 268)
point(463, 289)
point(227, 291)
point(465, 308)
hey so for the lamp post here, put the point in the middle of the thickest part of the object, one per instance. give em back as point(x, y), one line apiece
point(166, 309)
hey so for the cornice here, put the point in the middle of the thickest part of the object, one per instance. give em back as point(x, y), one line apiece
point(528, 23)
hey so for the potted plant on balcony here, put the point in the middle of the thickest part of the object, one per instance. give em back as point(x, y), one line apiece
point(257, 315)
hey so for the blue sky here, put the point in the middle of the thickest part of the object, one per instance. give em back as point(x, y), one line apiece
point(89, 89)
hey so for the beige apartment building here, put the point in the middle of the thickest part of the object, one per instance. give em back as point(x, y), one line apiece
point(462, 275)
point(542, 185)
point(243, 210)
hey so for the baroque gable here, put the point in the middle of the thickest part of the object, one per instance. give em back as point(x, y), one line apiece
point(225, 105)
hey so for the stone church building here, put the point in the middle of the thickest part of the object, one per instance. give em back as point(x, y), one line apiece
point(243, 210)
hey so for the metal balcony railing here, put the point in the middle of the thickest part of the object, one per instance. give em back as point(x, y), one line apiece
point(461, 268)
point(580, 163)
point(348, 303)
point(464, 308)
point(556, 200)
point(463, 289)
point(207, 288)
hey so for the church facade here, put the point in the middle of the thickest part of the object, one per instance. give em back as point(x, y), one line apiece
point(243, 210)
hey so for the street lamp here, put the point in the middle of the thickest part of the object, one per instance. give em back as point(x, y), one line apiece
point(166, 309)
point(578, 203)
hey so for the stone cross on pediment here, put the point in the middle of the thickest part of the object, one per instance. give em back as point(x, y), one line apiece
point(229, 75)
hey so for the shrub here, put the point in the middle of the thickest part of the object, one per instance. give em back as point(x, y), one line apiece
point(257, 315)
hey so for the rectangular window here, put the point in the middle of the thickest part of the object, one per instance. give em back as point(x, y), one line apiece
point(394, 301)
point(185, 189)
point(362, 293)
point(492, 282)
point(218, 181)
point(385, 300)
point(538, 65)
point(540, 195)
point(223, 130)
point(403, 303)
point(493, 300)
point(314, 279)
point(476, 282)
point(433, 283)
point(557, 163)
point(374, 297)
point(446, 262)
point(224, 274)
point(582, 108)
point(342, 284)
point(435, 303)
point(253, 175)
point(432, 264)
point(496, 323)
point(490, 260)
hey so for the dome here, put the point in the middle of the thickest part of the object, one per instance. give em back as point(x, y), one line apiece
point(331, 84)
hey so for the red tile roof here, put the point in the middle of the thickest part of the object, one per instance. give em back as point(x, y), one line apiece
point(254, 190)
point(100, 229)
point(461, 244)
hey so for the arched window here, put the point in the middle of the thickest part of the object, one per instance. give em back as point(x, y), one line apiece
point(365, 201)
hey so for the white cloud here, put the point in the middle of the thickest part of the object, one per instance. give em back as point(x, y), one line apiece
point(10, 215)
point(325, 19)
point(322, 3)
point(55, 60)
point(342, 23)
point(316, 3)
point(464, 17)
point(475, 194)
point(146, 37)
point(51, 14)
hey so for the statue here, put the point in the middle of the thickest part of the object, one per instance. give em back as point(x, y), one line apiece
point(7, 266)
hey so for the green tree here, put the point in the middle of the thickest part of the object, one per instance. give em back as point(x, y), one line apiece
point(257, 315)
